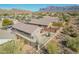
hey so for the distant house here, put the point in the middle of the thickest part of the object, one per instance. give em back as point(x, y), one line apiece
point(44, 21)
point(6, 36)
point(25, 31)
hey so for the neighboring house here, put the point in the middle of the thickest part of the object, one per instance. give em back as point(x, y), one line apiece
point(25, 31)
point(6, 36)
point(44, 21)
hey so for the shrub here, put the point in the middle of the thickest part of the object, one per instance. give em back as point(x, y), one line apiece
point(59, 24)
point(7, 22)
point(53, 47)
point(65, 17)
point(73, 43)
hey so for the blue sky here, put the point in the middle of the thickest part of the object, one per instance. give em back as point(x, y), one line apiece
point(32, 7)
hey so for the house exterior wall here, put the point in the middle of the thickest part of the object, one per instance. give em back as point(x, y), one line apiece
point(36, 34)
point(30, 39)
point(2, 41)
point(27, 36)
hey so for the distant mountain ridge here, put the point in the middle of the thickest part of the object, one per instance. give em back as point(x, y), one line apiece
point(59, 9)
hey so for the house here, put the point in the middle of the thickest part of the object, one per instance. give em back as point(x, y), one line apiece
point(33, 31)
point(26, 31)
point(44, 21)
point(6, 36)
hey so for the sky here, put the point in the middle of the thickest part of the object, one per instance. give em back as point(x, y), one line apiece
point(32, 7)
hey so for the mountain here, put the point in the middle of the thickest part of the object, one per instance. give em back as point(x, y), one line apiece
point(59, 9)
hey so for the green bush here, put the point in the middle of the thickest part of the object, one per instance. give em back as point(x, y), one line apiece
point(53, 48)
point(65, 17)
point(7, 22)
point(73, 43)
point(59, 24)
